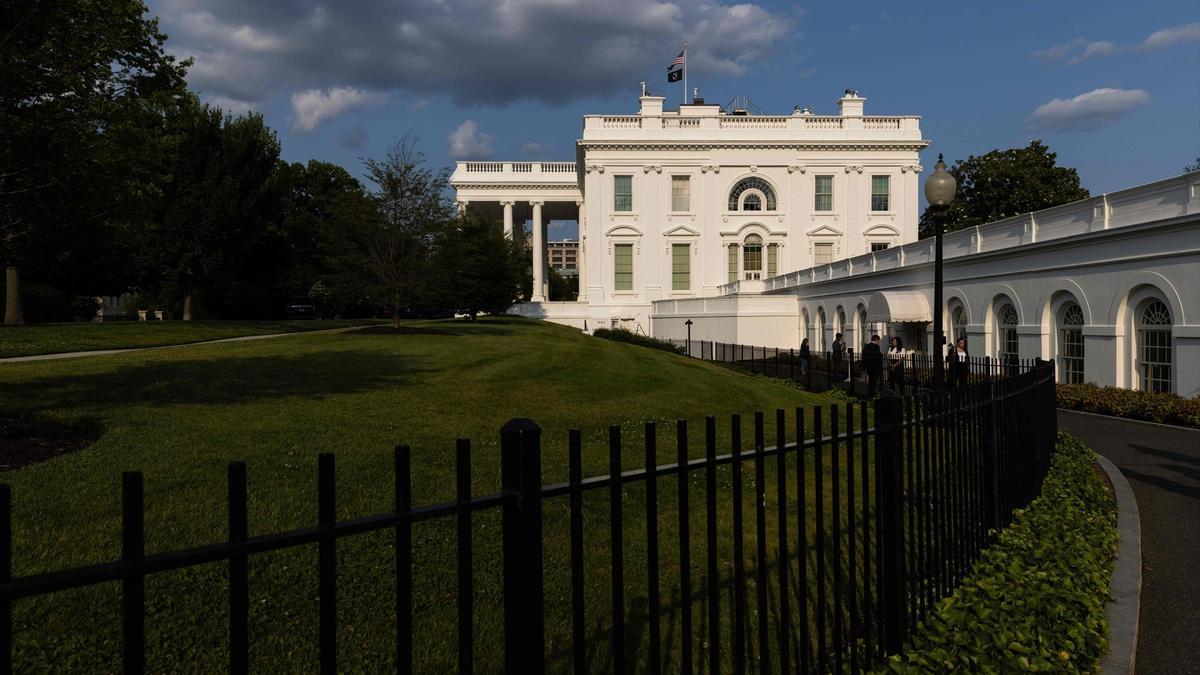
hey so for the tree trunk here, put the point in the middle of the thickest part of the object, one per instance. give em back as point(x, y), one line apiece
point(12, 297)
point(187, 307)
point(396, 311)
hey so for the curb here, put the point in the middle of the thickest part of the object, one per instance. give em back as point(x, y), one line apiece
point(1125, 588)
point(102, 352)
point(1126, 419)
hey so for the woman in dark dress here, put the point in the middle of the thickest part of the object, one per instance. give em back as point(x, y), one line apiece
point(804, 357)
point(896, 356)
point(958, 364)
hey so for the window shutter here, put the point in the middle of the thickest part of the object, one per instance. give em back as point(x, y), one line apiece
point(772, 259)
point(623, 267)
point(733, 263)
point(681, 267)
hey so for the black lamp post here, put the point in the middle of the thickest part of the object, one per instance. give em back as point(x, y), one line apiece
point(688, 323)
point(939, 191)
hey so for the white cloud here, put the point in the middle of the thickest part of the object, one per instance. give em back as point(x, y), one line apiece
point(469, 141)
point(551, 51)
point(1088, 110)
point(1074, 51)
point(314, 106)
point(1161, 39)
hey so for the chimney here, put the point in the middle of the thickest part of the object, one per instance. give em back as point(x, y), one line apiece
point(851, 104)
point(652, 106)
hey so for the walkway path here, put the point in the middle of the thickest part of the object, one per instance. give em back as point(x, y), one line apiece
point(101, 352)
point(1163, 465)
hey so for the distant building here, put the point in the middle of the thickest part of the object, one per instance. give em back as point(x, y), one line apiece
point(563, 256)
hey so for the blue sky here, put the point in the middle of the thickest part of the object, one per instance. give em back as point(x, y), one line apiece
point(1112, 87)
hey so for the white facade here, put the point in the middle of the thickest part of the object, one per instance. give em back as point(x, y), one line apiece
point(646, 186)
point(1108, 287)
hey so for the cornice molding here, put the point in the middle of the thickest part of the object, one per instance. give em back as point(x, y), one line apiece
point(798, 145)
point(515, 186)
point(797, 167)
point(705, 168)
point(858, 168)
point(656, 168)
point(915, 168)
point(593, 167)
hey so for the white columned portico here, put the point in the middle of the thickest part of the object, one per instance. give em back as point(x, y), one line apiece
point(508, 219)
point(539, 254)
point(581, 257)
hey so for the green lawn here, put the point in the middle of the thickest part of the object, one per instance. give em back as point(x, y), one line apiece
point(57, 338)
point(181, 415)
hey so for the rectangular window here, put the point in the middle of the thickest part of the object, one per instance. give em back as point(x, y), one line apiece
point(822, 254)
point(1072, 356)
point(1009, 352)
point(824, 193)
point(878, 246)
point(623, 267)
point(880, 189)
point(772, 259)
point(681, 193)
point(622, 193)
point(733, 262)
point(681, 267)
point(1155, 355)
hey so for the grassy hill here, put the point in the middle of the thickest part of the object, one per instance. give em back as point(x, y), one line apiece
point(181, 415)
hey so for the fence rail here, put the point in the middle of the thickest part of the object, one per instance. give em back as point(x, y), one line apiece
point(821, 371)
point(853, 531)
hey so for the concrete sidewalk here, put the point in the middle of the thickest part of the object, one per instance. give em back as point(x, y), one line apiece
point(101, 352)
point(1162, 464)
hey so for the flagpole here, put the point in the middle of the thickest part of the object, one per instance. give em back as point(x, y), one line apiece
point(685, 69)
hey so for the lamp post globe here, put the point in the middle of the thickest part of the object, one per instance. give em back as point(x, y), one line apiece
point(939, 192)
point(941, 186)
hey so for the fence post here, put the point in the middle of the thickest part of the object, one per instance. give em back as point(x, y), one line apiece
point(521, 477)
point(891, 467)
point(991, 514)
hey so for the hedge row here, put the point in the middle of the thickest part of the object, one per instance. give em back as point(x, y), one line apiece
point(619, 335)
point(1035, 601)
point(1150, 406)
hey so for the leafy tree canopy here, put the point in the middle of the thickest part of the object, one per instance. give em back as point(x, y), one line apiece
point(1004, 183)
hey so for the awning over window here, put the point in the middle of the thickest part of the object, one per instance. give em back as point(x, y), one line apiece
point(898, 306)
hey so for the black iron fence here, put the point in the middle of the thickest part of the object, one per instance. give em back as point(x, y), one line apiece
point(844, 535)
point(821, 371)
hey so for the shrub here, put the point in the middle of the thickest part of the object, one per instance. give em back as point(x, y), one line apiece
point(1150, 406)
point(619, 335)
point(1036, 599)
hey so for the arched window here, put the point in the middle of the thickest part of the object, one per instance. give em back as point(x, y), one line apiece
point(958, 324)
point(841, 322)
point(1070, 344)
point(752, 262)
point(754, 201)
point(1008, 349)
point(864, 331)
point(1154, 346)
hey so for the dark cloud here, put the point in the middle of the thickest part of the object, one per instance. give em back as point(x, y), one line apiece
point(474, 51)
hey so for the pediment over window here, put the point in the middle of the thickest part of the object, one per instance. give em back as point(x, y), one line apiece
point(681, 231)
point(623, 231)
point(824, 231)
point(882, 231)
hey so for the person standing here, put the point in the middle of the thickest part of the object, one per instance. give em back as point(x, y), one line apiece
point(896, 356)
point(804, 357)
point(839, 352)
point(958, 364)
point(872, 359)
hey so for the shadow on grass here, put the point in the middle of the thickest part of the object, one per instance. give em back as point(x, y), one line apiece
point(236, 380)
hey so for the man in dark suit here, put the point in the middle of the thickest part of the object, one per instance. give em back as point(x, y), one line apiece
point(872, 359)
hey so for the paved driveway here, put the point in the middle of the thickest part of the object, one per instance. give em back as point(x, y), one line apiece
point(1163, 466)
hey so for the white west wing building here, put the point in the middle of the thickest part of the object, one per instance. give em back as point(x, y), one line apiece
point(766, 229)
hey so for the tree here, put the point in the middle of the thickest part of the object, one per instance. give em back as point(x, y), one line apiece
point(220, 202)
point(478, 268)
point(1004, 183)
point(84, 87)
point(412, 213)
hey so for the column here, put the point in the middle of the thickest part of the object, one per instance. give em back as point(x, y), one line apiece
point(581, 256)
point(508, 219)
point(539, 254)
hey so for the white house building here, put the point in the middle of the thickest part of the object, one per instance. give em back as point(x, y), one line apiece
point(768, 229)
